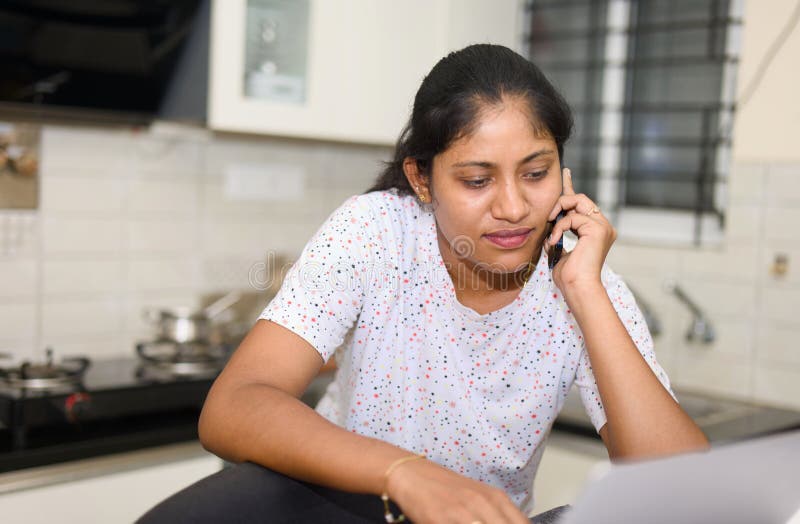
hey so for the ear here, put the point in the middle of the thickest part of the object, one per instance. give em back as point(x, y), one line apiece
point(418, 183)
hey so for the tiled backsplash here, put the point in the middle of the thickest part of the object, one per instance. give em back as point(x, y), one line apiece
point(131, 219)
point(135, 219)
point(755, 354)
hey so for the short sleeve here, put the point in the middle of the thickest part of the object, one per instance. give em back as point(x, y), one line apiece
point(322, 294)
point(631, 316)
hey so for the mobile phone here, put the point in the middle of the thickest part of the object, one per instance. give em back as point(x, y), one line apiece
point(554, 252)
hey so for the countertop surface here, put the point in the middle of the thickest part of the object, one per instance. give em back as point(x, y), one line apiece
point(722, 420)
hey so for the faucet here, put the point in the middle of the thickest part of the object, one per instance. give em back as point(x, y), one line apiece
point(701, 329)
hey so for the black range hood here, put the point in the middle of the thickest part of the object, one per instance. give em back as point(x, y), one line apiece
point(107, 60)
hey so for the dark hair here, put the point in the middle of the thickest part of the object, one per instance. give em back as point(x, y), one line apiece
point(449, 102)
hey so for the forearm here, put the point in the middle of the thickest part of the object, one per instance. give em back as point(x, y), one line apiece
point(261, 424)
point(642, 417)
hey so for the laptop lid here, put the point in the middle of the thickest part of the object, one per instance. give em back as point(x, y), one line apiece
point(755, 481)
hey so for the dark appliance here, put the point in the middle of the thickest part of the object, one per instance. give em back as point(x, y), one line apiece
point(55, 412)
point(125, 61)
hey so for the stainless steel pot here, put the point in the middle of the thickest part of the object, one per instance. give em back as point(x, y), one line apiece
point(179, 325)
point(184, 325)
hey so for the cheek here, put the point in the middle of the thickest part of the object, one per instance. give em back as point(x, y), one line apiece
point(453, 223)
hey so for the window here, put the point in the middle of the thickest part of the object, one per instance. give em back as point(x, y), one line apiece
point(651, 84)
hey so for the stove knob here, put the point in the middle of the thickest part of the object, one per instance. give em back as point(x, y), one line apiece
point(76, 405)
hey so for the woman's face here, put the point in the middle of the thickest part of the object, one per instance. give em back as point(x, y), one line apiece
point(493, 191)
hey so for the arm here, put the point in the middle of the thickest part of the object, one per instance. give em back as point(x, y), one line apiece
point(253, 413)
point(642, 417)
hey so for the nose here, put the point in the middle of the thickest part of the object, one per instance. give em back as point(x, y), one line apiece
point(510, 202)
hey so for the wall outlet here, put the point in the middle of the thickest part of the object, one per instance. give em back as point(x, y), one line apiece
point(264, 182)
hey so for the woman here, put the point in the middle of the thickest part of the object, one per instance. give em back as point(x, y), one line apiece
point(454, 339)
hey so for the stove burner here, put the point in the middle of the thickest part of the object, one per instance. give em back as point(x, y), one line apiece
point(162, 360)
point(47, 375)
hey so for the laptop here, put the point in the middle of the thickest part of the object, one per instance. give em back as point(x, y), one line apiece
point(751, 482)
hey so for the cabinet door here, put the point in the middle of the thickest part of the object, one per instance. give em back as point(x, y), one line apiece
point(114, 497)
point(567, 463)
point(356, 77)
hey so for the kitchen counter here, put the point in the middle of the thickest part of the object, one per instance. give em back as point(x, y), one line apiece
point(113, 488)
point(76, 470)
point(722, 420)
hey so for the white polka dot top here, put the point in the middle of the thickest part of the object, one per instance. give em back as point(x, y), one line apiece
point(475, 393)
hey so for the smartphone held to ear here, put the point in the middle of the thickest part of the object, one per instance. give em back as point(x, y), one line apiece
point(554, 252)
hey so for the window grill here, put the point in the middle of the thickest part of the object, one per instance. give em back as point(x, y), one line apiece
point(651, 84)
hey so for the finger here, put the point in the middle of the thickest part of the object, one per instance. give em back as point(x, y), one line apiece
point(485, 510)
point(512, 513)
point(567, 179)
point(580, 203)
point(572, 222)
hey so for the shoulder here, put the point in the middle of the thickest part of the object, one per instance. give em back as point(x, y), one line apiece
point(389, 200)
point(388, 210)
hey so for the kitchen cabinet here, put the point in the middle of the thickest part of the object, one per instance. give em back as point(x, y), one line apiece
point(343, 70)
point(118, 488)
point(567, 464)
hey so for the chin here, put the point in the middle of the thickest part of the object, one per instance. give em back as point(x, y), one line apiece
point(502, 267)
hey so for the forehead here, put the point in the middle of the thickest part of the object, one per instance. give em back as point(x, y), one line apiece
point(503, 131)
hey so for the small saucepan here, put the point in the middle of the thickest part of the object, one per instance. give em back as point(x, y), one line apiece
point(184, 325)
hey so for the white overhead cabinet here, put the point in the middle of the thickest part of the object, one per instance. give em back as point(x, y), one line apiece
point(343, 70)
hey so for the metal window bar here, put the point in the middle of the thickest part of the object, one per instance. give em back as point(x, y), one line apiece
point(708, 141)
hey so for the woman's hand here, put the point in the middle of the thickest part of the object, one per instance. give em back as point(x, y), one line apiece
point(430, 493)
point(595, 236)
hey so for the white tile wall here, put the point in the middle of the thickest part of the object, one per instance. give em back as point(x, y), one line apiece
point(100, 315)
point(744, 224)
point(780, 224)
point(84, 195)
point(14, 351)
point(17, 319)
point(747, 183)
point(74, 234)
point(162, 236)
point(103, 151)
point(777, 344)
point(18, 279)
point(134, 218)
point(735, 263)
point(780, 304)
point(777, 385)
point(783, 185)
point(81, 277)
point(163, 198)
point(714, 373)
point(163, 273)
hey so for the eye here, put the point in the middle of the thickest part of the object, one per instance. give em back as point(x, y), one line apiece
point(536, 174)
point(476, 182)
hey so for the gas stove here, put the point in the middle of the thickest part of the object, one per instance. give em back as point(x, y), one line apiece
point(78, 408)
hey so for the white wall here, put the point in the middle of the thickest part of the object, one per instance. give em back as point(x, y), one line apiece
point(768, 125)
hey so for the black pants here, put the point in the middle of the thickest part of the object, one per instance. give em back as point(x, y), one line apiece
point(249, 493)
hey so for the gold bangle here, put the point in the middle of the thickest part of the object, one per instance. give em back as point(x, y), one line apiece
point(387, 513)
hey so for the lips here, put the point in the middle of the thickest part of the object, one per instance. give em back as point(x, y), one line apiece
point(509, 238)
